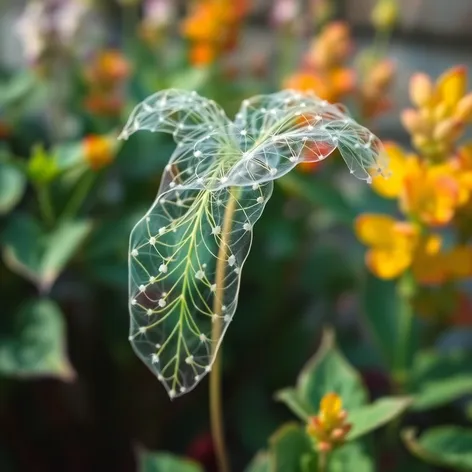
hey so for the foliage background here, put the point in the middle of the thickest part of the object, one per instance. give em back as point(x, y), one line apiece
point(73, 396)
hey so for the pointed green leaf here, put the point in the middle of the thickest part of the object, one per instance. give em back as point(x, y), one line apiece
point(40, 256)
point(260, 463)
point(440, 377)
point(12, 186)
point(328, 371)
point(445, 446)
point(370, 417)
point(35, 343)
point(287, 447)
point(349, 458)
point(297, 405)
point(164, 462)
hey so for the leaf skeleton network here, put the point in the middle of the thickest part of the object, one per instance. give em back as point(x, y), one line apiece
point(188, 250)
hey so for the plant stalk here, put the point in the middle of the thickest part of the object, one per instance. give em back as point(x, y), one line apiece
point(45, 204)
point(322, 461)
point(216, 410)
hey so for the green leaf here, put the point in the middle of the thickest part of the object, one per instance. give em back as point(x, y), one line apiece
point(439, 378)
point(287, 447)
point(164, 462)
point(350, 458)
point(39, 256)
point(35, 343)
point(445, 446)
point(12, 186)
point(320, 193)
point(18, 87)
point(260, 463)
point(370, 417)
point(328, 371)
point(42, 166)
point(391, 322)
point(297, 405)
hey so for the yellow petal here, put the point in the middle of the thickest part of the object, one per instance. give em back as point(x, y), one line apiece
point(459, 262)
point(375, 229)
point(452, 85)
point(421, 90)
point(392, 186)
point(388, 264)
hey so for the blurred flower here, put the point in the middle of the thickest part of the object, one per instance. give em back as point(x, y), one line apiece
point(391, 244)
point(395, 246)
point(99, 151)
point(443, 111)
point(101, 104)
point(324, 71)
point(107, 68)
point(373, 89)
point(157, 16)
point(329, 428)
point(46, 24)
point(430, 193)
point(385, 14)
point(212, 27)
point(284, 12)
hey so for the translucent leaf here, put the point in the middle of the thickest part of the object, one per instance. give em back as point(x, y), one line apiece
point(176, 294)
point(288, 127)
point(187, 252)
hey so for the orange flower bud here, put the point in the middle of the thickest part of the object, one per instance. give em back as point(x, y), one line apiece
point(421, 89)
point(324, 446)
point(99, 151)
point(464, 109)
point(441, 111)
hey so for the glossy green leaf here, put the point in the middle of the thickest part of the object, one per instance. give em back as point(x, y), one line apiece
point(445, 446)
point(164, 462)
point(350, 458)
point(260, 463)
point(39, 256)
point(328, 371)
point(440, 377)
point(370, 417)
point(287, 447)
point(35, 343)
point(12, 186)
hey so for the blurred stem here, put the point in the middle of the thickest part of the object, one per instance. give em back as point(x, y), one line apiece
point(322, 461)
point(79, 194)
point(216, 410)
point(45, 204)
point(406, 289)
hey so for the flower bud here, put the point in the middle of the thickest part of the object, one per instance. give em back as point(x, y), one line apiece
point(421, 89)
point(385, 14)
point(447, 130)
point(464, 109)
point(412, 121)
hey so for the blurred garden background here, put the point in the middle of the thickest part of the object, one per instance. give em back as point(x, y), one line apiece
point(376, 279)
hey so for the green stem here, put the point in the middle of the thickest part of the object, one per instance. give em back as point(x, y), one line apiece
point(322, 461)
point(79, 195)
point(406, 287)
point(216, 410)
point(46, 207)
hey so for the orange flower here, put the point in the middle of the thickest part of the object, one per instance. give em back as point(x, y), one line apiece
point(329, 428)
point(108, 68)
point(212, 26)
point(103, 104)
point(99, 151)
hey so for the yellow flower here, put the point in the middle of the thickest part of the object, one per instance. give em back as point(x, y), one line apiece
point(329, 428)
point(392, 244)
point(99, 151)
point(443, 111)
